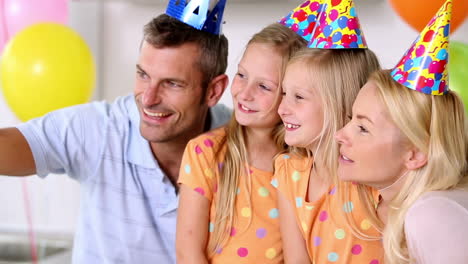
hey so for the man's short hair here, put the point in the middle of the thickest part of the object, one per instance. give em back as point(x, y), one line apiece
point(166, 31)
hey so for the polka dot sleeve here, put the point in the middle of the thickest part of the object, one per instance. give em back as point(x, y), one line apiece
point(279, 177)
point(199, 166)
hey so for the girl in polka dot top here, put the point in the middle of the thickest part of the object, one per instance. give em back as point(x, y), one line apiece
point(227, 208)
point(319, 88)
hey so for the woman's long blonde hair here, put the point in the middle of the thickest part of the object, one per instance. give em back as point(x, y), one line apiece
point(235, 164)
point(436, 125)
point(338, 75)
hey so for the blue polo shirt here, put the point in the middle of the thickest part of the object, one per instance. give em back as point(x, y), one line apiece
point(128, 206)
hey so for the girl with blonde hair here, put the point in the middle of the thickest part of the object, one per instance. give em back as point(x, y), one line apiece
point(227, 210)
point(319, 87)
point(411, 145)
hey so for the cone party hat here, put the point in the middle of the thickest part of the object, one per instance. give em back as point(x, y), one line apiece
point(338, 27)
point(197, 14)
point(424, 66)
point(303, 18)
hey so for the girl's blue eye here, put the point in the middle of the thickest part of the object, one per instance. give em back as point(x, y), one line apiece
point(264, 87)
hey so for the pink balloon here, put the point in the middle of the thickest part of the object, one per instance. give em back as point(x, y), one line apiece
point(3, 37)
point(18, 14)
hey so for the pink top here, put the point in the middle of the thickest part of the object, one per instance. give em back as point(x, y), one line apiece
point(436, 228)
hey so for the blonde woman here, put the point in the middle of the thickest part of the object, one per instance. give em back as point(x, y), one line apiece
point(408, 139)
point(228, 211)
point(413, 148)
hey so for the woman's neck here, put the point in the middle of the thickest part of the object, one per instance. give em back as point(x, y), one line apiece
point(389, 191)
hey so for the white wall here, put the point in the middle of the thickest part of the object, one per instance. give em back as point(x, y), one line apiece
point(114, 34)
point(385, 32)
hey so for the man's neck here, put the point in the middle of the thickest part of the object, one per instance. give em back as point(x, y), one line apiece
point(169, 157)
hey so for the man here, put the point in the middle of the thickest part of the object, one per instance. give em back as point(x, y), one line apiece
point(127, 154)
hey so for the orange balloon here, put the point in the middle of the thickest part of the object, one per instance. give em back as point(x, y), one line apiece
point(417, 13)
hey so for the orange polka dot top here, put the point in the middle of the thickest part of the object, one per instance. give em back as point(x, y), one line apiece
point(257, 242)
point(323, 222)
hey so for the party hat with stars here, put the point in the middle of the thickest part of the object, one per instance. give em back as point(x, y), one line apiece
point(197, 14)
point(338, 27)
point(424, 66)
point(303, 18)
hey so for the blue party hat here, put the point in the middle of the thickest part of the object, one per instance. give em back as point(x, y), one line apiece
point(196, 13)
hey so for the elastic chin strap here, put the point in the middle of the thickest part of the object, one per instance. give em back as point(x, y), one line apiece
point(395, 182)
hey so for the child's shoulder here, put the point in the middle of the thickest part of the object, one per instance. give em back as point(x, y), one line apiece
point(291, 160)
point(211, 138)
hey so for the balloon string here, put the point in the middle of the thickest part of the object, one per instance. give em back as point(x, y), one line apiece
point(27, 206)
point(3, 22)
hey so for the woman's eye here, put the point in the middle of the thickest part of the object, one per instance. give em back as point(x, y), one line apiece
point(362, 129)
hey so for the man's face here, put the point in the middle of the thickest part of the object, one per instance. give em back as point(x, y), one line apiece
point(168, 93)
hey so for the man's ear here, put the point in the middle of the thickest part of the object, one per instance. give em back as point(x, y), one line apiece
point(216, 89)
point(415, 159)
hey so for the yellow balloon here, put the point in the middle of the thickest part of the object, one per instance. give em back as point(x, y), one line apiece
point(45, 67)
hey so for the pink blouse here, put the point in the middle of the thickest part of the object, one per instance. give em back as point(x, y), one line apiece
point(436, 228)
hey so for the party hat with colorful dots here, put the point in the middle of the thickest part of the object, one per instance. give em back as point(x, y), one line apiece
point(338, 27)
point(303, 18)
point(424, 66)
point(197, 14)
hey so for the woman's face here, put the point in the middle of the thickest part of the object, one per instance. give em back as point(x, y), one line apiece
point(301, 106)
point(373, 150)
point(255, 87)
